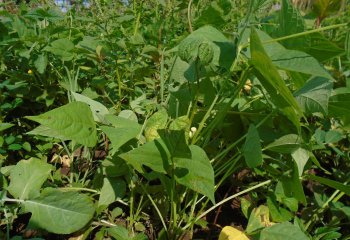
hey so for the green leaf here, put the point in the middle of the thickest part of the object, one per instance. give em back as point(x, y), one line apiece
point(224, 50)
point(123, 130)
point(155, 122)
point(313, 97)
point(272, 82)
point(293, 60)
point(292, 184)
point(73, 121)
point(331, 183)
point(112, 189)
point(60, 212)
point(153, 154)
point(259, 218)
point(286, 144)
point(211, 15)
point(14, 147)
point(318, 46)
point(278, 214)
point(98, 110)
point(252, 148)
point(196, 173)
point(4, 126)
point(338, 106)
point(333, 136)
point(290, 22)
point(27, 177)
point(300, 156)
point(175, 142)
point(128, 114)
point(118, 232)
point(41, 63)
point(284, 230)
point(63, 48)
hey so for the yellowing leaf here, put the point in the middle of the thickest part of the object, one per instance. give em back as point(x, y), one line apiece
point(230, 233)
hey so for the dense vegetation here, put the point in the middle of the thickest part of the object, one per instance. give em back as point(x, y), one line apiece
point(171, 119)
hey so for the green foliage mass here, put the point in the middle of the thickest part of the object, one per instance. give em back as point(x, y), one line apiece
point(161, 119)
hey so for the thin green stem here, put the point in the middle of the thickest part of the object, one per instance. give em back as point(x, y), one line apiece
point(156, 208)
point(189, 16)
point(78, 189)
point(228, 199)
point(162, 80)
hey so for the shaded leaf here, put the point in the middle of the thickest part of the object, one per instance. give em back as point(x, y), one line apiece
point(62, 47)
point(286, 144)
point(252, 148)
point(196, 172)
point(152, 154)
point(112, 189)
point(175, 142)
point(313, 97)
point(331, 183)
point(272, 82)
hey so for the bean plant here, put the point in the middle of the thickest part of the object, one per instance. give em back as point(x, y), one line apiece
point(156, 119)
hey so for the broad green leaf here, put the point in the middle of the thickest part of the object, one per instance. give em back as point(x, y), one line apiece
point(73, 121)
point(41, 63)
point(27, 177)
point(155, 122)
point(60, 212)
point(211, 15)
point(128, 114)
point(318, 46)
point(331, 183)
point(284, 230)
point(252, 148)
point(313, 97)
point(4, 126)
point(224, 50)
point(293, 60)
point(286, 144)
point(180, 123)
point(300, 156)
point(272, 82)
point(338, 106)
point(175, 142)
point(292, 184)
point(122, 122)
point(258, 219)
point(333, 136)
point(290, 22)
point(98, 110)
point(290, 60)
point(112, 189)
point(196, 173)
point(119, 136)
point(153, 154)
point(119, 232)
point(278, 214)
point(123, 130)
point(63, 48)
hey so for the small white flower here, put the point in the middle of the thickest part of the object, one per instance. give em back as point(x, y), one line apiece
point(193, 129)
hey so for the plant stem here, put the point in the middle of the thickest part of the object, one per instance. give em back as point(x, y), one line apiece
point(189, 16)
point(78, 189)
point(226, 200)
point(156, 208)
